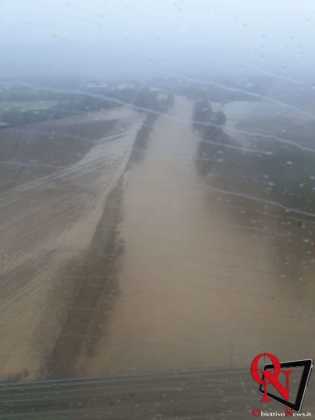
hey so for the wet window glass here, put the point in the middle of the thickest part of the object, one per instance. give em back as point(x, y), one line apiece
point(157, 204)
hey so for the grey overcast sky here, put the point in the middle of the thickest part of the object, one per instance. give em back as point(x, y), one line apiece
point(103, 38)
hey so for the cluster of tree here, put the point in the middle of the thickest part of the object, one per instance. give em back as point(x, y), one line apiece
point(210, 126)
point(204, 116)
point(283, 174)
point(147, 100)
point(166, 101)
point(66, 107)
point(142, 138)
point(21, 93)
point(139, 96)
point(153, 100)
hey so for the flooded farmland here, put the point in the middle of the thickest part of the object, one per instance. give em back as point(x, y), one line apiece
point(157, 209)
point(165, 266)
point(207, 278)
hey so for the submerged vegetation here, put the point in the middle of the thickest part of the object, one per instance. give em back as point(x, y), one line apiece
point(262, 168)
point(20, 105)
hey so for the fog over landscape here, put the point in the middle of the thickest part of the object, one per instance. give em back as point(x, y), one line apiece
point(142, 38)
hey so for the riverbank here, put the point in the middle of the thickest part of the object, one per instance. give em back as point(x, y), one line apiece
point(48, 224)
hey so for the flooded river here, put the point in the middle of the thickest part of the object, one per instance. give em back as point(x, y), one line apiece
point(205, 280)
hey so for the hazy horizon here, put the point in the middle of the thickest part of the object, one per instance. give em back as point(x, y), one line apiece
point(143, 39)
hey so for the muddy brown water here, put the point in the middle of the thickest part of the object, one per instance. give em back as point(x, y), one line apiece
point(201, 278)
point(200, 286)
point(47, 225)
